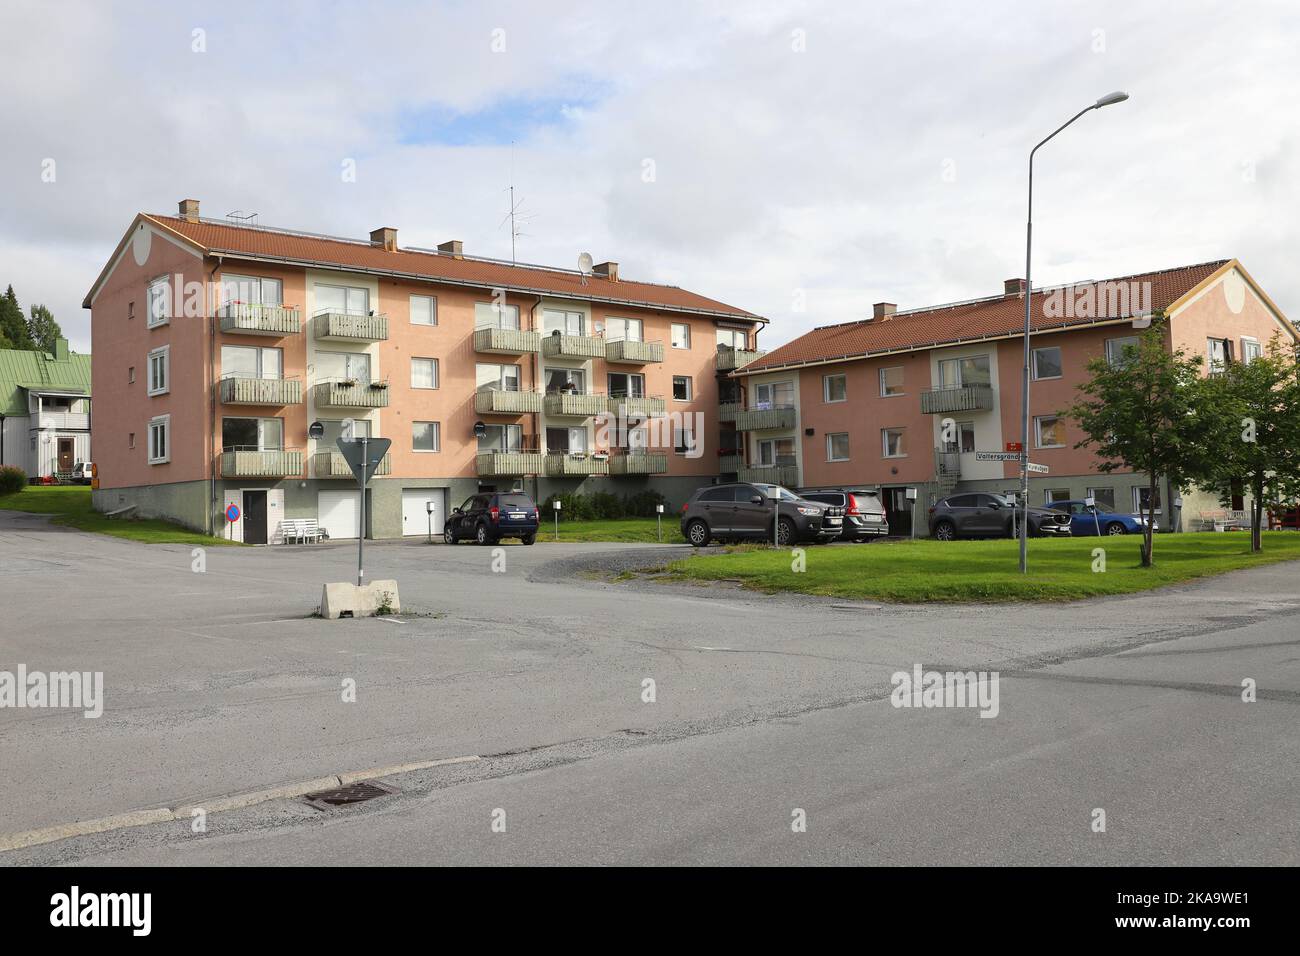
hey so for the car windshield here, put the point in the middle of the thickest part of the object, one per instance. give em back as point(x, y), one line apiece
point(776, 491)
point(1008, 501)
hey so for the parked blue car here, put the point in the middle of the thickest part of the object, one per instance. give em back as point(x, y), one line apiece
point(1105, 521)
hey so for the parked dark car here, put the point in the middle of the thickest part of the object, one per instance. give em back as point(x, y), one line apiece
point(744, 511)
point(864, 514)
point(491, 516)
point(983, 515)
point(1105, 521)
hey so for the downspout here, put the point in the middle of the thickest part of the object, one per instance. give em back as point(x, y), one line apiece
point(212, 404)
point(2, 441)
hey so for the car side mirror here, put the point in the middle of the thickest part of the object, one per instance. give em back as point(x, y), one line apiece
point(994, 505)
point(456, 511)
point(756, 500)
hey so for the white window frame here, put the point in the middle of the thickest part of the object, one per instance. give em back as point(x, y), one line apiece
point(163, 422)
point(233, 281)
point(434, 363)
point(1048, 500)
point(1060, 363)
point(672, 334)
point(826, 389)
point(437, 438)
point(684, 438)
point(635, 384)
point(690, 388)
point(261, 351)
point(626, 333)
point(1038, 430)
point(960, 379)
point(491, 315)
point(152, 319)
point(347, 295)
point(1092, 493)
point(433, 310)
point(503, 380)
point(732, 335)
point(512, 438)
point(1136, 494)
point(262, 444)
point(570, 327)
point(164, 352)
point(884, 442)
point(830, 453)
point(1250, 344)
point(1115, 352)
point(884, 391)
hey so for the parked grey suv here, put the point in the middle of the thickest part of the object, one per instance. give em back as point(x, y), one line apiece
point(744, 511)
point(864, 515)
point(983, 515)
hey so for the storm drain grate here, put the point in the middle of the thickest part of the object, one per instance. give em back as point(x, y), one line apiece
point(347, 795)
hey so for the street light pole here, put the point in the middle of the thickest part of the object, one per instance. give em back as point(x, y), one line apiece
point(1107, 100)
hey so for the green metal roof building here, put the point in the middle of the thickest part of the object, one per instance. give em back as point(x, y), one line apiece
point(44, 409)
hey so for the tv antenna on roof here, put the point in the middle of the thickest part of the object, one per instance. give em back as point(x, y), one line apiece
point(515, 215)
point(241, 218)
point(585, 263)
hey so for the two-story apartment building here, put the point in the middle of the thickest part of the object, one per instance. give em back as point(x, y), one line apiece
point(44, 410)
point(219, 344)
point(910, 399)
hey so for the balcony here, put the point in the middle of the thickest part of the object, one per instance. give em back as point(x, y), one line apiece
point(770, 474)
point(731, 359)
point(575, 404)
point(499, 401)
point(727, 411)
point(947, 469)
point(729, 464)
point(330, 464)
point(249, 318)
point(637, 461)
point(347, 393)
point(506, 341)
point(570, 465)
point(260, 391)
point(508, 464)
point(573, 346)
point(640, 406)
point(960, 398)
point(628, 352)
point(761, 419)
point(255, 463)
point(346, 327)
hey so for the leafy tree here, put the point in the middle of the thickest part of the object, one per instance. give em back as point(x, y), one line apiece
point(1141, 414)
point(1258, 404)
point(42, 329)
point(13, 324)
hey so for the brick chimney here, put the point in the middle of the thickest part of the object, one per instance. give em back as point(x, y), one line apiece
point(1013, 287)
point(452, 247)
point(385, 236)
point(189, 209)
point(883, 311)
point(607, 270)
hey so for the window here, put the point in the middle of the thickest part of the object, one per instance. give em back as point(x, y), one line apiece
point(334, 431)
point(130, 440)
point(1220, 353)
point(159, 302)
point(965, 372)
point(681, 388)
point(159, 369)
point(892, 441)
point(1142, 497)
point(623, 330)
point(566, 323)
point(424, 436)
point(424, 310)
point(837, 446)
point(891, 381)
point(344, 366)
point(348, 300)
point(1103, 496)
point(776, 451)
point(626, 385)
point(251, 289)
point(252, 434)
point(1047, 363)
point(1117, 350)
point(424, 373)
point(491, 315)
point(1250, 350)
point(571, 441)
point(572, 380)
point(733, 338)
point(835, 388)
point(774, 395)
point(1052, 495)
point(502, 378)
point(684, 438)
point(1050, 431)
point(721, 494)
point(160, 440)
point(963, 440)
point(130, 310)
point(248, 361)
point(681, 335)
point(130, 375)
point(501, 438)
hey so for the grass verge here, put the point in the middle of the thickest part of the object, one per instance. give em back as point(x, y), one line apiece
point(632, 530)
point(986, 571)
point(70, 505)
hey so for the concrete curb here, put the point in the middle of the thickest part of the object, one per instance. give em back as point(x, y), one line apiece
point(120, 821)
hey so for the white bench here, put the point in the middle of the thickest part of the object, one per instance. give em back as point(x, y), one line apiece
point(300, 531)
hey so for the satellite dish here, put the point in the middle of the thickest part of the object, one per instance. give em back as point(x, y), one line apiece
point(585, 263)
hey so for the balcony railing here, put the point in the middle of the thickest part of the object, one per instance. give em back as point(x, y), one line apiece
point(330, 464)
point(960, 398)
point(947, 467)
point(260, 391)
point(770, 474)
point(756, 419)
point(562, 464)
point(349, 393)
point(508, 464)
point(731, 359)
point(575, 404)
point(727, 411)
point(251, 318)
point(637, 461)
point(70, 420)
point(506, 341)
point(573, 346)
point(727, 464)
point(638, 406)
point(255, 463)
point(501, 401)
point(629, 352)
point(346, 327)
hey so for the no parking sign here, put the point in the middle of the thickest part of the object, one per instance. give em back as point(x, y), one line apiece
point(232, 513)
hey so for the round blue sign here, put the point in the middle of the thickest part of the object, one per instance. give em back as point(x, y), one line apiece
point(232, 513)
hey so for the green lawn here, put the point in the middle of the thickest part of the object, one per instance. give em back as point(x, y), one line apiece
point(986, 571)
point(633, 530)
point(71, 505)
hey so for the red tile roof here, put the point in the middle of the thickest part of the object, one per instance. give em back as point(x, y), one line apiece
point(361, 256)
point(964, 321)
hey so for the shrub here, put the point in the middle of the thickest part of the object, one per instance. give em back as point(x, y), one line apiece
point(602, 505)
point(12, 480)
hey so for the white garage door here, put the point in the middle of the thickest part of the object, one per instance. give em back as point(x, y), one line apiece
point(415, 515)
point(336, 513)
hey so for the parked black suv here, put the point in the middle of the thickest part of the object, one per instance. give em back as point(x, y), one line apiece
point(864, 515)
point(744, 511)
point(489, 517)
point(982, 515)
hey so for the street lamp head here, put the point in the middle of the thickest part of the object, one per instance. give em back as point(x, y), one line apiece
point(1110, 99)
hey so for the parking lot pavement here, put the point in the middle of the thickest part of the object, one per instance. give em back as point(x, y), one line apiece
point(220, 681)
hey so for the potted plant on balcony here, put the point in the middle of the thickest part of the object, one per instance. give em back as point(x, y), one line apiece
point(347, 383)
point(379, 385)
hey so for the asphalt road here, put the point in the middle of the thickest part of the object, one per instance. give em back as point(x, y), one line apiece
point(221, 682)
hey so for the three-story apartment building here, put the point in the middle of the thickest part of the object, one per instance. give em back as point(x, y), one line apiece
point(909, 399)
point(218, 344)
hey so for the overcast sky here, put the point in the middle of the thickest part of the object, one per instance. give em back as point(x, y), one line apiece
point(800, 160)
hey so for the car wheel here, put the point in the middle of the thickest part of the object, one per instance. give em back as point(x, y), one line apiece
point(528, 538)
point(481, 535)
point(1115, 528)
point(945, 531)
point(785, 532)
point(697, 533)
point(448, 536)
